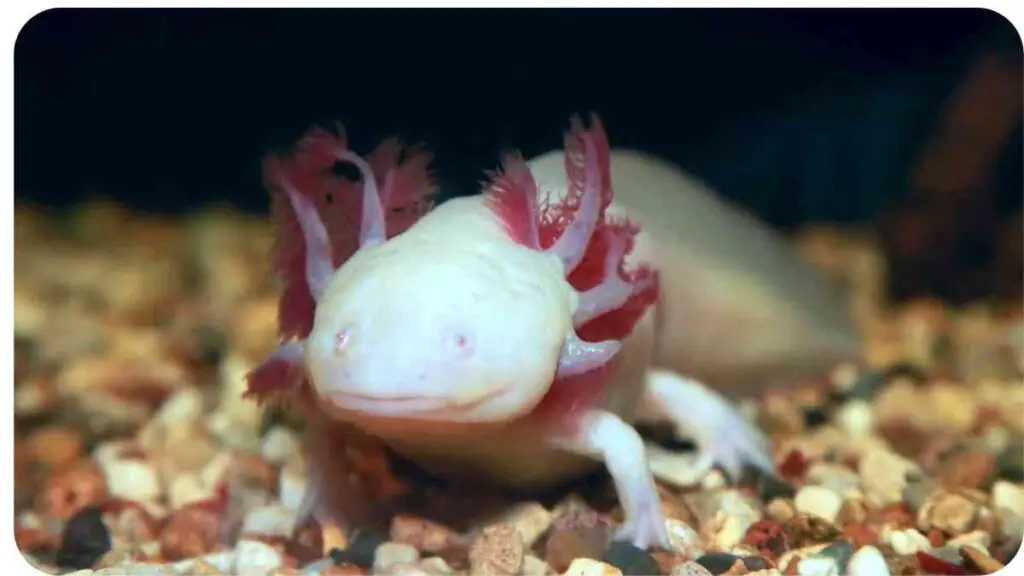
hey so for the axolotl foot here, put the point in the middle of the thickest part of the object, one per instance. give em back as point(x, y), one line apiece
point(605, 436)
point(723, 435)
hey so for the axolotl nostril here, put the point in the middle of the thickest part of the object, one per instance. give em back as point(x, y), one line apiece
point(515, 334)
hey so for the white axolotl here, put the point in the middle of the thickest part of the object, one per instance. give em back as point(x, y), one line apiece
point(519, 333)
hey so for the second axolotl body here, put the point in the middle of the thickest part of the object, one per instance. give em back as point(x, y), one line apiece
point(519, 333)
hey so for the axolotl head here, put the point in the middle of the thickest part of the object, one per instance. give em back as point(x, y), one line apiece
point(456, 319)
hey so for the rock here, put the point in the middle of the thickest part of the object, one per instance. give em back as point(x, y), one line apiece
point(685, 540)
point(498, 549)
point(566, 544)
point(131, 478)
point(818, 501)
point(691, 568)
point(971, 469)
point(835, 477)
point(84, 540)
point(279, 445)
point(950, 512)
point(422, 534)
point(718, 562)
point(189, 532)
point(856, 418)
point(818, 566)
point(55, 447)
point(436, 566)
point(188, 488)
point(1008, 497)
point(273, 520)
point(67, 492)
point(291, 485)
point(840, 551)
point(868, 561)
point(909, 541)
point(534, 566)
point(883, 475)
point(530, 518)
point(361, 550)
point(629, 559)
point(391, 554)
point(781, 510)
point(588, 567)
point(254, 557)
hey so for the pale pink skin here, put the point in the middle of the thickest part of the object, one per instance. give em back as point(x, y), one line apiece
point(445, 358)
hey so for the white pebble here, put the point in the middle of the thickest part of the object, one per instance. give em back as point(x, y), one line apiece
point(391, 554)
point(868, 561)
point(279, 445)
point(883, 475)
point(135, 480)
point(817, 566)
point(818, 501)
point(252, 557)
point(909, 541)
point(291, 487)
point(588, 567)
point(1008, 496)
point(856, 418)
point(272, 520)
point(186, 488)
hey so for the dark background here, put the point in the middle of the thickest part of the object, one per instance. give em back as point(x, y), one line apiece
point(800, 114)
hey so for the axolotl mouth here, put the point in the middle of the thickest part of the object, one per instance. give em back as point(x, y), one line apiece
point(407, 406)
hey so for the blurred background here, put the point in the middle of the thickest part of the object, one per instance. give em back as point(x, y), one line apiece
point(905, 121)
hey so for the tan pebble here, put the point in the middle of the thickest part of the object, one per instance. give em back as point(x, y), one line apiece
point(499, 549)
point(684, 539)
point(979, 561)
point(868, 561)
point(954, 405)
point(978, 538)
point(853, 511)
point(391, 554)
point(948, 511)
point(588, 567)
point(55, 447)
point(333, 537)
point(909, 541)
point(883, 475)
point(565, 545)
point(530, 518)
point(967, 470)
point(422, 534)
point(186, 489)
point(781, 510)
point(690, 568)
point(723, 532)
point(818, 501)
point(436, 566)
point(203, 567)
point(279, 445)
point(534, 566)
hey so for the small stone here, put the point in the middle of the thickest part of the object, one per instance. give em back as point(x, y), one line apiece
point(868, 561)
point(818, 501)
point(884, 475)
point(781, 510)
point(361, 550)
point(630, 560)
point(255, 557)
point(391, 554)
point(835, 477)
point(132, 479)
point(565, 545)
point(55, 447)
point(977, 538)
point(856, 418)
point(691, 568)
point(66, 493)
point(717, 562)
point(291, 485)
point(909, 541)
point(817, 566)
point(948, 511)
point(853, 511)
point(917, 491)
point(947, 554)
point(436, 566)
point(273, 520)
point(840, 551)
point(498, 549)
point(422, 534)
point(971, 469)
point(807, 530)
point(534, 566)
point(84, 540)
point(279, 445)
point(1009, 497)
point(979, 562)
point(768, 537)
point(588, 567)
point(190, 531)
point(530, 518)
point(685, 540)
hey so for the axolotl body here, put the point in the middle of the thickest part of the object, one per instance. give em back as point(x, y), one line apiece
point(520, 333)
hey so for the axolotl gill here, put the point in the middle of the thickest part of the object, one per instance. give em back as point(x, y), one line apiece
point(518, 334)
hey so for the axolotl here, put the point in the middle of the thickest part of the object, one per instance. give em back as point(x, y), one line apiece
point(520, 333)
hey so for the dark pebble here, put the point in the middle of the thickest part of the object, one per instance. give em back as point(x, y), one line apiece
point(1010, 464)
point(906, 370)
point(947, 554)
point(866, 386)
point(84, 541)
point(630, 559)
point(718, 562)
point(840, 551)
point(771, 487)
point(360, 551)
point(814, 416)
point(755, 563)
